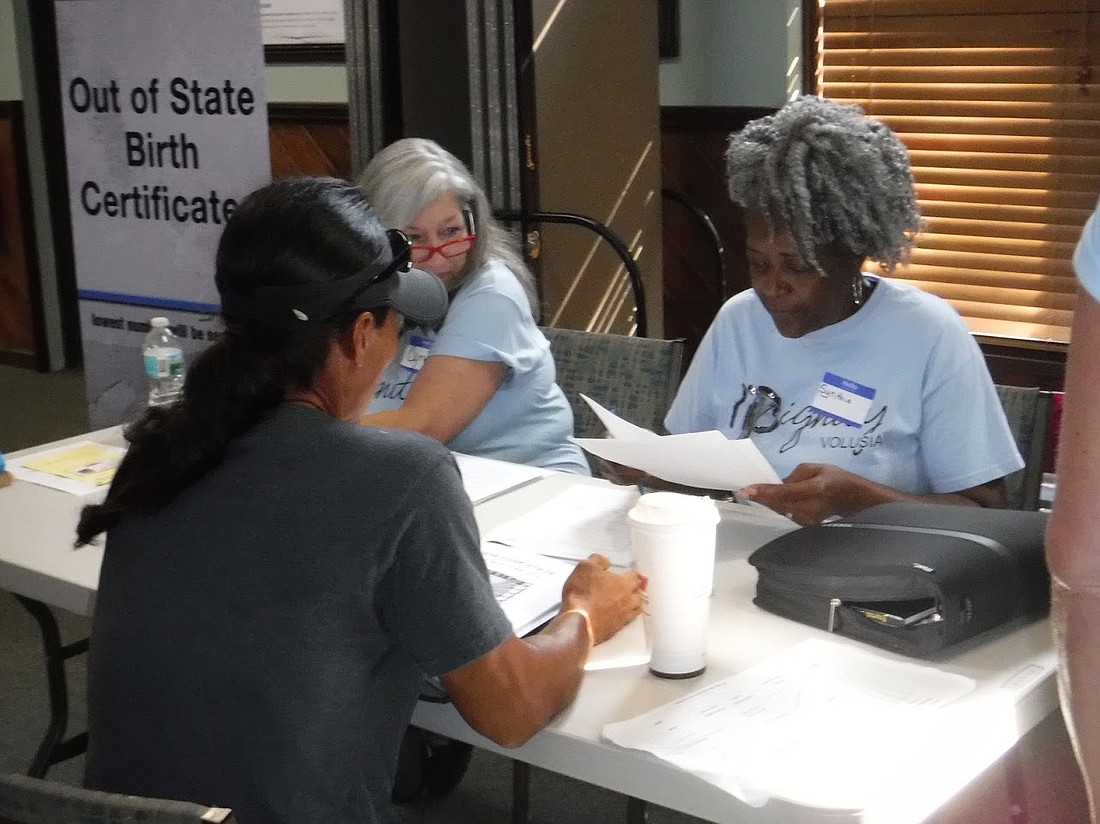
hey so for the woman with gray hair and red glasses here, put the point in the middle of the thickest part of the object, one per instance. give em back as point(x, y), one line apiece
point(858, 389)
point(483, 380)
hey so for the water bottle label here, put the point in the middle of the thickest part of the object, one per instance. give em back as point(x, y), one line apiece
point(163, 363)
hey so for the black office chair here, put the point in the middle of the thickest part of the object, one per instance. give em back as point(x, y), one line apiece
point(1027, 409)
point(26, 800)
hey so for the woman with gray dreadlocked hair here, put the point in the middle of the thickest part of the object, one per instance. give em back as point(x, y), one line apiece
point(859, 390)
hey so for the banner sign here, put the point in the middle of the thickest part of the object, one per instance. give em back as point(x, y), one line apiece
point(165, 122)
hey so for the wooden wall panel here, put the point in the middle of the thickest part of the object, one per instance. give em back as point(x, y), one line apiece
point(693, 145)
point(17, 267)
point(310, 139)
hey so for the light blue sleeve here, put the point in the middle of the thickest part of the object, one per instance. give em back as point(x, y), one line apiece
point(965, 439)
point(1086, 259)
point(489, 326)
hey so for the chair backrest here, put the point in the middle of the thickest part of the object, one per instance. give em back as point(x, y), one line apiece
point(1028, 411)
point(636, 378)
point(25, 800)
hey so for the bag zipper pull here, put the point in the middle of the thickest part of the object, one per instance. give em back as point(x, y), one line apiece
point(833, 604)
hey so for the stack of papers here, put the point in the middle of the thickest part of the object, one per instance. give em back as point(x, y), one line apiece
point(485, 478)
point(83, 468)
point(821, 724)
point(707, 460)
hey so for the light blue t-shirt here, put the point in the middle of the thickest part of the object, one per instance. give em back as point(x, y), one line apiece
point(528, 420)
point(1086, 259)
point(934, 423)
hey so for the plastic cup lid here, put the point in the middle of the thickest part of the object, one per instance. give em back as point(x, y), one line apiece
point(663, 508)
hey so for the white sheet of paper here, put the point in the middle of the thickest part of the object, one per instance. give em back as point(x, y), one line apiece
point(575, 523)
point(708, 460)
point(485, 478)
point(821, 723)
point(616, 426)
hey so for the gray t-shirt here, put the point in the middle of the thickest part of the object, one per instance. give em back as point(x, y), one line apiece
point(258, 643)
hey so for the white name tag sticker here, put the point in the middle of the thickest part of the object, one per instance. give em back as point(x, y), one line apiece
point(843, 400)
point(416, 352)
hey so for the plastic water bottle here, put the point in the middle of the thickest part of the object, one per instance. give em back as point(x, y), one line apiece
point(163, 363)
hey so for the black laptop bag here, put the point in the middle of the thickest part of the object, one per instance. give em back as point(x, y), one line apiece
point(914, 578)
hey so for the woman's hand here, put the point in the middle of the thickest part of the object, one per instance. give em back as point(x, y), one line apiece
point(815, 492)
point(611, 600)
point(617, 473)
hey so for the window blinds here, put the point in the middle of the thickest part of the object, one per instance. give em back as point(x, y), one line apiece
point(998, 102)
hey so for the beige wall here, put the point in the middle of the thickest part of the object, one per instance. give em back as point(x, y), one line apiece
point(294, 83)
point(734, 53)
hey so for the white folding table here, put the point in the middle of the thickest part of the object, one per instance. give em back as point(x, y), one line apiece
point(1014, 671)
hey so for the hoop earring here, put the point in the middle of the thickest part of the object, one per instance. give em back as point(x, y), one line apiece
point(857, 289)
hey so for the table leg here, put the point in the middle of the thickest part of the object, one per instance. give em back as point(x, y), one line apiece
point(54, 747)
point(521, 791)
point(635, 811)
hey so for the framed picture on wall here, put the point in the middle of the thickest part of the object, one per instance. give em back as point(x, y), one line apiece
point(303, 31)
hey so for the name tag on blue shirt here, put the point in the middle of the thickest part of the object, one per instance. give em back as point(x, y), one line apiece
point(416, 352)
point(843, 400)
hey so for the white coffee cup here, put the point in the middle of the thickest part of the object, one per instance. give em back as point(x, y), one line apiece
point(673, 538)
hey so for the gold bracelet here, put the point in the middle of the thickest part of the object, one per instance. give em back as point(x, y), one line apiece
point(581, 611)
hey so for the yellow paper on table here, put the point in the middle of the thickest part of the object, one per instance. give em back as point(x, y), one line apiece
point(90, 463)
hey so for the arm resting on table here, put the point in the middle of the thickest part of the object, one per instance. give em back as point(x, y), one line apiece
point(814, 492)
point(511, 693)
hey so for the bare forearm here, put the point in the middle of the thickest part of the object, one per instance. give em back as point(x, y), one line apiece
point(872, 494)
point(511, 693)
point(445, 397)
point(813, 493)
point(404, 418)
point(540, 676)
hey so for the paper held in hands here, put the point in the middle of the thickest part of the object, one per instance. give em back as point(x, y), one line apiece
point(708, 460)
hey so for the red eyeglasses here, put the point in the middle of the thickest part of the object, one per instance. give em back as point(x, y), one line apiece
point(450, 249)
